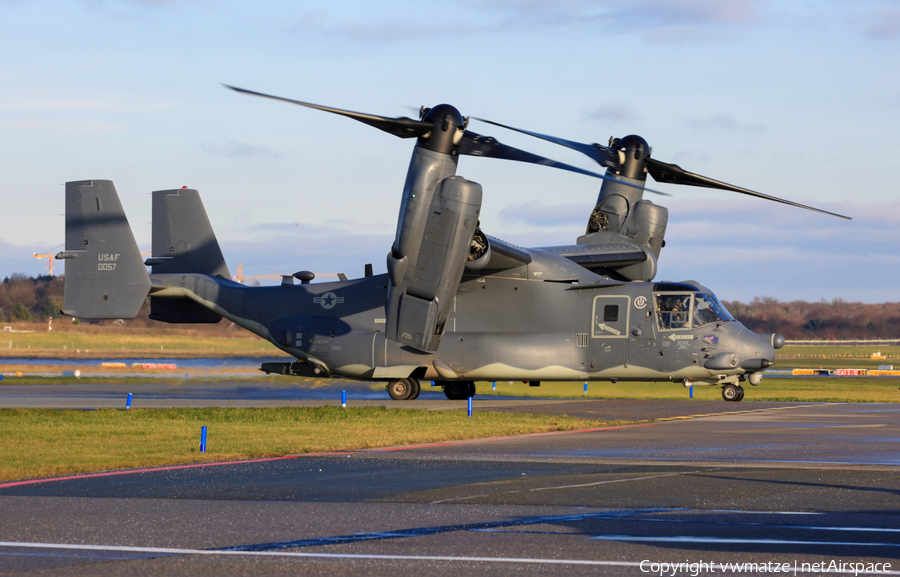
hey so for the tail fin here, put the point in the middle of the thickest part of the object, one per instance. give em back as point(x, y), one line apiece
point(183, 240)
point(105, 276)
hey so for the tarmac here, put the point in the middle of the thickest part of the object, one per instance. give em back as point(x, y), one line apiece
point(776, 484)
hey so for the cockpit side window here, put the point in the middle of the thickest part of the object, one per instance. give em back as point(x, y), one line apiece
point(673, 310)
point(708, 309)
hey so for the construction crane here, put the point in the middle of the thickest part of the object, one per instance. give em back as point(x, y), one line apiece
point(49, 258)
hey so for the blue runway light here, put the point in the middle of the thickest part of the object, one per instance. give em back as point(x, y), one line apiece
point(203, 439)
point(585, 388)
point(692, 391)
point(494, 386)
point(470, 406)
point(128, 401)
point(343, 399)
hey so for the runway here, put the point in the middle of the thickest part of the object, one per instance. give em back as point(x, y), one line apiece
point(787, 484)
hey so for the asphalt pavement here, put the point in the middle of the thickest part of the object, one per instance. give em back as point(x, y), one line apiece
point(785, 484)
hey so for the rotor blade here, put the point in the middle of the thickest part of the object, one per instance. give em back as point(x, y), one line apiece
point(474, 144)
point(601, 154)
point(401, 126)
point(674, 174)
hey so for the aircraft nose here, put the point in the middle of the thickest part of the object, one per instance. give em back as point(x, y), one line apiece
point(757, 351)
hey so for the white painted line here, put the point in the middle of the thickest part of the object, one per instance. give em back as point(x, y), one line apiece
point(176, 551)
point(615, 481)
point(208, 552)
point(758, 512)
point(734, 540)
point(468, 497)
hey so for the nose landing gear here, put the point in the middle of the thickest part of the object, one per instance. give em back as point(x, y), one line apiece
point(732, 392)
point(459, 390)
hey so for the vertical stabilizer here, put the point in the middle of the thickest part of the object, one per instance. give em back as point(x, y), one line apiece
point(183, 243)
point(105, 275)
point(183, 239)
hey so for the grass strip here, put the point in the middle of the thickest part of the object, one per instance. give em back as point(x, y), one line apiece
point(822, 389)
point(42, 442)
point(121, 343)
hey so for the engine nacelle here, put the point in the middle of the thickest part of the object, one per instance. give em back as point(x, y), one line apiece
point(647, 224)
point(426, 271)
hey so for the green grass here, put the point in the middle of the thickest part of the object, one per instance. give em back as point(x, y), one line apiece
point(42, 442)
point(838, 351)
point(818, 363)
point(831, 389)
point(120, 342)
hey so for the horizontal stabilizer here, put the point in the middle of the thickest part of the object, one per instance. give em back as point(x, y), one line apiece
point(105, 275)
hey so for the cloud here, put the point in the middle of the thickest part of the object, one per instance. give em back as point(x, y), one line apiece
point(65, 126)
point(542, 215)
point(682, 34)
point(725, 122)
point(383, 31)
point(614, 113)
point(638, 13)
point(240, 150)
point(285, 248)
point(747, 247)
point(880, 24)
point(685, 17)
point(17, 101)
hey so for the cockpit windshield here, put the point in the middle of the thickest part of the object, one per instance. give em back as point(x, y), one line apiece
point(689, 310)
point(708, 309)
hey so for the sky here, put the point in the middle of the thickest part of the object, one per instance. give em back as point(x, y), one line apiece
point(799, 100)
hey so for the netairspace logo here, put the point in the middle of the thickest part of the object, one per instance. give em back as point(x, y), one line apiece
point(694, 569)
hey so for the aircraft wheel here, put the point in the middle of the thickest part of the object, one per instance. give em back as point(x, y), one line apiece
point(740, 393)
point(456, 390)
point(731, 393)
point(416, 388)
point(400, 390)
point(471, 389)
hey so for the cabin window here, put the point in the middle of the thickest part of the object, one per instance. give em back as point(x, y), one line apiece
point(674, 310)
point(610, 313)
point(610, 317)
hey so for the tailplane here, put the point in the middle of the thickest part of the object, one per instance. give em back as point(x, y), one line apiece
point(105, 275)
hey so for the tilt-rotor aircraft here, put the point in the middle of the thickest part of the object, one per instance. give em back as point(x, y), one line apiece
point(456, 305)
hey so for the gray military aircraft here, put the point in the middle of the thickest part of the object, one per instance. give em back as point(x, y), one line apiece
point(455, 306)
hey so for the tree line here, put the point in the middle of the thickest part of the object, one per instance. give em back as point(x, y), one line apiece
point(822, 320)
point(24, 298)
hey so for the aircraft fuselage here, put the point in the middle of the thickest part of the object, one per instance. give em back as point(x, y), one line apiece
point(546, 320)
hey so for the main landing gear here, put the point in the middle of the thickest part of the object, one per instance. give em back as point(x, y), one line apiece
point(459, 390)
point(732, 392)
point(404, 389)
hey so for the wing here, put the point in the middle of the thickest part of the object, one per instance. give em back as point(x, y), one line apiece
point(599, 258)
